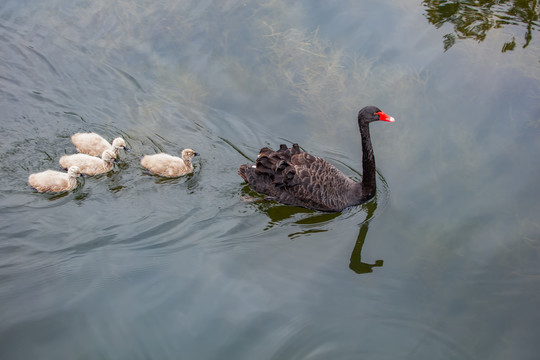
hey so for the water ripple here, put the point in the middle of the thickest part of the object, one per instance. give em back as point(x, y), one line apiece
point(410, 340)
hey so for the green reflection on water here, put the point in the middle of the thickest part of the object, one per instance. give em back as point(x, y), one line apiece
point(473, 19)
point(356, 263)
point(313, 222)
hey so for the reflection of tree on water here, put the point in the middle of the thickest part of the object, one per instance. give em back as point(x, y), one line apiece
point(474, 18)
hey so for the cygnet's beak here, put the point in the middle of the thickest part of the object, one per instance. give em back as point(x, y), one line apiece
point(126, 149)
point(196, 154)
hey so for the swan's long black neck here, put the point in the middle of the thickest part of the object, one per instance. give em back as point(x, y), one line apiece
point(368, 185)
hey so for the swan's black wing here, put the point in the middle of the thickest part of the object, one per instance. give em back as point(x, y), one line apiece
point(294, 177)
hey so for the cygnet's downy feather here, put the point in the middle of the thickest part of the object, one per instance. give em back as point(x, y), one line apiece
point(88, 164)
point(93, 144)
point(55, 181)
point(168, 165)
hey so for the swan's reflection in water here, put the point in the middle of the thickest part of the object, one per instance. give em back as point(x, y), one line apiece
point(356, 263)
point(310, 222)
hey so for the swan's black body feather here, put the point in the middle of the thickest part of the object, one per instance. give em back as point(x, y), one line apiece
point(294, 177)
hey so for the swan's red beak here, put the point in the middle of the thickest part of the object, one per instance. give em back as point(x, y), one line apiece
point(384, 117)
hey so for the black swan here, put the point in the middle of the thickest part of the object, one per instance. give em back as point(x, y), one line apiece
point(294, 177)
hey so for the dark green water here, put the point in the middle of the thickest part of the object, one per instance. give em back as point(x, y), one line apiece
point(443, 264)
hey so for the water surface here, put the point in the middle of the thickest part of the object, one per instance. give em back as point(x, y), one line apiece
point(443, 263)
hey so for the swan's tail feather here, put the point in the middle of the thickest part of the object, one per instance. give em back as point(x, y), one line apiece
point(244, 172)
point(277, 165)
point(272, 169)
